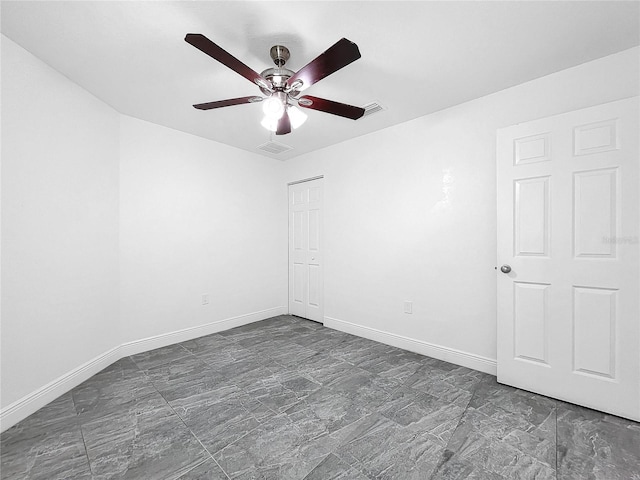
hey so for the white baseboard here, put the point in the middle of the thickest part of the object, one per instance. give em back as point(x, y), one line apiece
point(164, 339)
point(22, 408)
point(465, 359)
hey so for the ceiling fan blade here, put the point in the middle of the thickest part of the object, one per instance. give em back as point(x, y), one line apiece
point(227, 103)
point(284, 124)
point(329, 106)
point(341, 54)
point(205, 45)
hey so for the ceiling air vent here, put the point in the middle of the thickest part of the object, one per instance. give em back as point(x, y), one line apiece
point(371, 108)
point(274, 147)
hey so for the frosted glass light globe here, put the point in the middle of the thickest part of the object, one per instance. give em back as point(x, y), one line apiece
point(273, 107)
point(296, 116)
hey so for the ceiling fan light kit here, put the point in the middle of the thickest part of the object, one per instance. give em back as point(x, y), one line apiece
point(282, 86)
point(297, 116)
point(274, 105)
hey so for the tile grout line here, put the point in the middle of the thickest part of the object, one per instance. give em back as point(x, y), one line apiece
point(275, 413)
point(231, 341)
point(316, 465)
point(446, 447)
point(84, 442)
point(234, 341)
point(359, 468)
point(556, 455)
point(187, 426)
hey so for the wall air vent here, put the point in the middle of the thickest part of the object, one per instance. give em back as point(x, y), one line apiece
point(371, 108)
point(274, 147)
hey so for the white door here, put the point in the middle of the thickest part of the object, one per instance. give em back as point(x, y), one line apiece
point(305, 249)
point(568, 214)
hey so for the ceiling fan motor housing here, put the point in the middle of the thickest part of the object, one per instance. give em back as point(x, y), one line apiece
point(279, 54)
point(279, 75)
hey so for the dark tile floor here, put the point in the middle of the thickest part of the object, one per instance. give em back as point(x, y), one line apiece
point(286, 398)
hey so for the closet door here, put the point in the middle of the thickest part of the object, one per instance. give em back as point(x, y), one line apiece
point(305, 249)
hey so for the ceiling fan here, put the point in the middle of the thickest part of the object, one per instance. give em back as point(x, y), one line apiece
point(282, 86)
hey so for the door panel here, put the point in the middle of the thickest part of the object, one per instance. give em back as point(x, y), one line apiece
point(297, 227)
point(305, 249)
point(594, 326)
point(530, 316)
point(314, 285)
point(314, 230)
point(298, 284)
point(596, 137)
point(595, 199)
point(532, 149)
point(532, 216)
point(568, 221)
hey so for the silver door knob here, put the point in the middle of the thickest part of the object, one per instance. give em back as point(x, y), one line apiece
point(505, 268)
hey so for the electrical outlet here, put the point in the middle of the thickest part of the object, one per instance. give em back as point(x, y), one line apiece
point(205, 299)
point(408, 307)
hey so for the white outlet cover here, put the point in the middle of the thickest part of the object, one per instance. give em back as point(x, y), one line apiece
point(408, 307)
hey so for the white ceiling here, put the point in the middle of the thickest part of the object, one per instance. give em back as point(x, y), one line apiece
point(417, 57)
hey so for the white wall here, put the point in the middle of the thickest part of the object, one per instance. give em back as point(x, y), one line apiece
point(410, 213)
point(59, 224)
point(197, 217)
point(113, 228)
